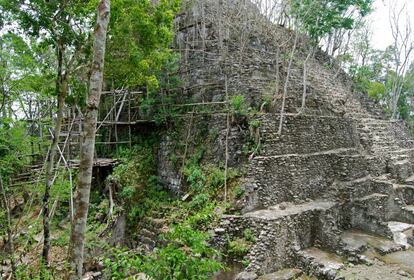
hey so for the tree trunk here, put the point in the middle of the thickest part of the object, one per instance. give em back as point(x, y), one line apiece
point(61, 88)
point(305, 76)
point(88, 142)
point(277, 78)
point(285, 88)
point(8, 228)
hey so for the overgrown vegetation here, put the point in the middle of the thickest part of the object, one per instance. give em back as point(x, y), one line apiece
point(45, 64)
point(239, 247)
point(187, 256)
point(187, 253)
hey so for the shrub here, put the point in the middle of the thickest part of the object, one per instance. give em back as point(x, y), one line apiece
point(216, 178)
point(239, 192)
point(203, 217)
point(238, 247)
point(254, 123)
point(248, 235)
point(187, 256)
point(199, 201)
point(195, 177)
point(238, 105)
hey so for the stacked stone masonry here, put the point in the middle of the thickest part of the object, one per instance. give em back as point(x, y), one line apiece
point(333, 194)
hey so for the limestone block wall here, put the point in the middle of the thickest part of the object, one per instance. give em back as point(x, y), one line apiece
point(199, 132)
point(341, 148)
point(364, 187)
point(279, 238)
point(301, 177)
point(167, 172)
point(303, 134)
point(219, 45)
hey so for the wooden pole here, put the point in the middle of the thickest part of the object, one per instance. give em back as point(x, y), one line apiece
point(187, 140)
point(227, 139)
point(129, 120)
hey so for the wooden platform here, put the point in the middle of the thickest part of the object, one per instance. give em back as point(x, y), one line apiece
point(99, 162)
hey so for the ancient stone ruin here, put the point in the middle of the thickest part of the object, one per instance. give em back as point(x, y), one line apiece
point(333, 194)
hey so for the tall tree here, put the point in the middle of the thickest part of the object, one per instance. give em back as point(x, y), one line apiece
point(77, 238)
point(319, 18)
point(403, 47)
point(63, 26)
point(331, 18)
point(5, 202)
point(139, 40)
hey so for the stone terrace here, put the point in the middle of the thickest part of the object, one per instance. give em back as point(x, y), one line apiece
point(333, 195)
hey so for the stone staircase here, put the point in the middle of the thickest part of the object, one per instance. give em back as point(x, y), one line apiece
point(152, 226)
point(340, 170)
point(362, 255)
point(333, 195)
point(311, 236)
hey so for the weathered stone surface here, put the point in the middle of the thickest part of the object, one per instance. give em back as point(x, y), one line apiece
point(321, 263)
point(118, 232)
point(335, 177)
point(356, 241)
point(278, 212)
point(401, 232)
point(246, 276)
point(167, 172)
point(284, 274)
point(376, 271)
point(402, 259)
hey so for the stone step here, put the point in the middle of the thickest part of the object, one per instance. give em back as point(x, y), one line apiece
point(373, 196)
point(410, 180)
point(355, 242)
point(400, 150)
point(409, 208)
point(359, 116)
point(148, 233)
point(402, 233)
point(373, 121)
point(369, 213)
point(374, 270)
point(401, 170)
point(273, 147)
point(399, 157)
point(391, 150)
point(323, 264)
point(310, 175)
point(157, 222)
point(405, 192)
point(149, 243)
point(154, 224)
point(407, 213)
point(402, 162)
point(344, 151)
point(368, 187)
point(383, 139)
point(283, 274)
point(289, 209)
point(159, 213)
point(380, 131)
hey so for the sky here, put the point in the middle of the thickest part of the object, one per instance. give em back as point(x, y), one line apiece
point(380, 25)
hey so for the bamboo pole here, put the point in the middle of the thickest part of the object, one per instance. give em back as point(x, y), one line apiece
point(187, 140)
point(129, 121)
point(227, 139)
